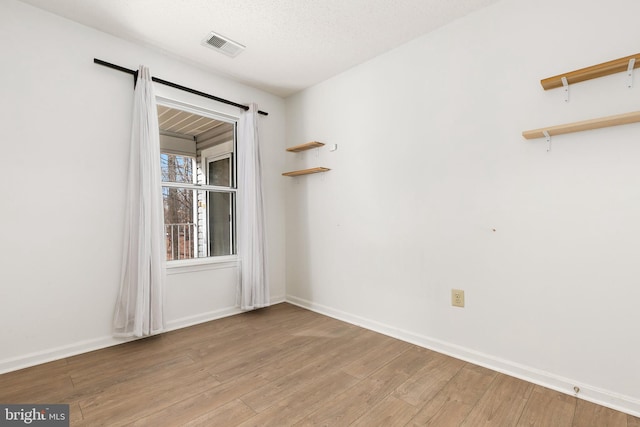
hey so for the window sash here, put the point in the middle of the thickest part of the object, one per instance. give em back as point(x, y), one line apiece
point(194, 239)
point(202, 187)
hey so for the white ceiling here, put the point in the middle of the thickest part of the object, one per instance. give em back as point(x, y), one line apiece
point(182, 123)
point(291, 44)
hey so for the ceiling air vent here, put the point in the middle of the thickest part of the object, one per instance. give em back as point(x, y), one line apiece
point(223, 44)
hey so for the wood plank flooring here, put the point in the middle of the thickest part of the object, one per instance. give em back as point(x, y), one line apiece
point(286, 366)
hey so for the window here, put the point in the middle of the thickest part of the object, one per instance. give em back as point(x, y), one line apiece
point(199, 184)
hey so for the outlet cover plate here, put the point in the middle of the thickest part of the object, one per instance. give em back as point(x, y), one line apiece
point(457, 297)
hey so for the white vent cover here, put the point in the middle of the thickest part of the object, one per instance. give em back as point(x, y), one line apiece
point(223, 44)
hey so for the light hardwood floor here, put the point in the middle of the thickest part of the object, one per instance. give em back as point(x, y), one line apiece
point(285, 366)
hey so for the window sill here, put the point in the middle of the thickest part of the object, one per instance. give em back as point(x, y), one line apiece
point(201, 264)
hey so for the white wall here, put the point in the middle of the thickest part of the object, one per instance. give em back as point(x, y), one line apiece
point(431, 159)
point(65, 133)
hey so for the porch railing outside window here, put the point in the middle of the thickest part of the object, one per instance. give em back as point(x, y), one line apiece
point(181, 241)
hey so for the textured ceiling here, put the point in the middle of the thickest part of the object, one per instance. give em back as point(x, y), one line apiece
point(291, 44)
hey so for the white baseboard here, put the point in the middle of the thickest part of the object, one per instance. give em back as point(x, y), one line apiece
point(49, 355)
point(592, 394)
point(185, 322)
point(213, 315)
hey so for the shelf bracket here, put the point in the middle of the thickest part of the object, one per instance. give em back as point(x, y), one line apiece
point(565, 85)
point(632, 63)
point(546, 135)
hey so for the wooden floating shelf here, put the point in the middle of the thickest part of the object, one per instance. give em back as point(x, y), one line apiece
point(305, 146)
point(306, 171)
point(602, 122)
point(593, 72)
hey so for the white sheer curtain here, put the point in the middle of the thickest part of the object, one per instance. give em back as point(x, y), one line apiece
point(139, 308)
point(253, 286)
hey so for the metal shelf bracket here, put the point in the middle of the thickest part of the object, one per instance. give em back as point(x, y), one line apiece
point(546, 135)
point(565, 85)
point(632, 63)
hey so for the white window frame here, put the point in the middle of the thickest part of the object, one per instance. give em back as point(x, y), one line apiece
point(210, 262)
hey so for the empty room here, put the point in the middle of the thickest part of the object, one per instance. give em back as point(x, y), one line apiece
point(320, 212)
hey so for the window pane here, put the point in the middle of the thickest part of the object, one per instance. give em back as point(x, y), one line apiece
point(179, 223)
point(176, 168)
point(220, 223)
point(198, 223)
point(220, 172)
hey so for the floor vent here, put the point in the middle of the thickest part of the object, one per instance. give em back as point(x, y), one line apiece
point(223, 44)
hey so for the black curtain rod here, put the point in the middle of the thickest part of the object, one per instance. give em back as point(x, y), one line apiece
point(134, 73)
